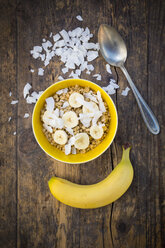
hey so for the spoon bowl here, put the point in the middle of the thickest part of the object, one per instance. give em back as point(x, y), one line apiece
point(112, 45)
point(114, 51)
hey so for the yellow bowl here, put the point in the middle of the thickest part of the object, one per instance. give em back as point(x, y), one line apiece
point(53, 151)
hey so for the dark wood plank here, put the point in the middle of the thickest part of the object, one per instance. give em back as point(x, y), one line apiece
point(136, 217)
point(8, 142)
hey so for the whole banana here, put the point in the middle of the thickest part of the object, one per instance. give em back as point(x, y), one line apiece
point(95, 195)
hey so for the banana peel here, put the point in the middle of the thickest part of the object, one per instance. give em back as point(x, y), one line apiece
point(96, 195)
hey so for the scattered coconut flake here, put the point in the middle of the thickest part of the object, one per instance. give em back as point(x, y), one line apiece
point(50, 104)
point(73, 150)
point(67, 149)
point(101, 103)
point(88, 72)
point(98, 76)
point(64, 70)
point(40, 71)
point(30, 99)
point(91, 55)
point(14, 102)
point(60, 78)
point(26, 90)
point(48, 128)
point(114, 85)
point(10, 93)
point(125, 92)
point(35, 95)
point(70, 130)
point(26, 115)
point(96, 117)
point(79, 18)
point(46, 45)
point(90, 67)
point(44, 40)
point(32, 70)
point(78, 72)
point(36, 51)
point(14, 133)
point(108, 68)
point(56, 37)
point(64, 35)
point(109, 89)
point(50, 35)
point(9, 119)
point(65, 104)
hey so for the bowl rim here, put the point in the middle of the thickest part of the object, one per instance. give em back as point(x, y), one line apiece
point(59, 82)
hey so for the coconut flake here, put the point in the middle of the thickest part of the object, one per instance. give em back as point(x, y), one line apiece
point(40, 71)
point(48, 128)
point(114, 85)
point(10, 93)
point(57, 112)
point(79, 18)
point(64, 70)
point(61, 113)
point(50, 104)
point(70, 130)
point(109, 89)
point(60, 78)
point(50, 35)
point(26, 90)
point(59, 92)
point(65, 104)
point(9, 119)
point(67, 149)
point(108, 68)
point(65, 35)
point(72, 140)
point(26, 115)
point(91, 97)
point(32, 70)
point(56, 37)
point(91, 55)
point(14, 133)
point(125, 92)
point(85, 119)
point(98, 114)
point(73, 150)
point(101, 103)
point(14, 102)
point(30, 99)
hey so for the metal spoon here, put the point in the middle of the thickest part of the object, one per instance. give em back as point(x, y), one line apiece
point(114, 51)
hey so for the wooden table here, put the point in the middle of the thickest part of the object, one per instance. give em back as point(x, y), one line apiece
point(29, 215)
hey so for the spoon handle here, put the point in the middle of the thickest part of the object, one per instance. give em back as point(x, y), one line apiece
point(147, 114)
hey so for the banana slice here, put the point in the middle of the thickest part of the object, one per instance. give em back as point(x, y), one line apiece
point(81, 140)
point(93, 106)
point(96, 132)
point(72, 100)
point(60, 137)
point(70, 119)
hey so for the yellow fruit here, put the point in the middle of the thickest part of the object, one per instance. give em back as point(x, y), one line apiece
point(95, 195)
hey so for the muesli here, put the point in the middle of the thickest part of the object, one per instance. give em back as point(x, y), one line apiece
point(75, 119)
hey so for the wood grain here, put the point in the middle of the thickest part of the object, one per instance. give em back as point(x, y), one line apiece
point(29, 215)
